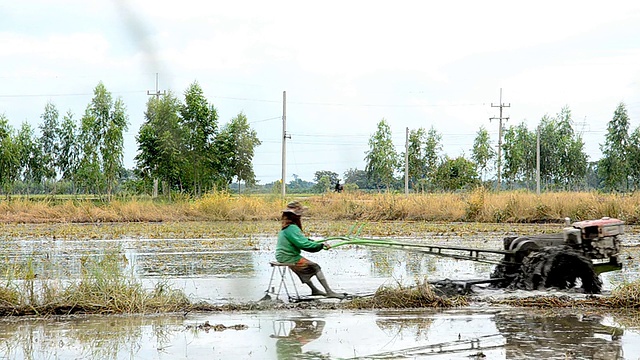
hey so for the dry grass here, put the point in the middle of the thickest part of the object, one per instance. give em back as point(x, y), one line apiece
point(102, 288)
point(625, 296)
point(477, 206)
point(401, 297)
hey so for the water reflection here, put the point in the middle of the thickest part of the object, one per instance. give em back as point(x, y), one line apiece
point(451, 334)
point(566, 334)
point(293, 334)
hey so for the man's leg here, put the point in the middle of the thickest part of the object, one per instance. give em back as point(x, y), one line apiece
point(323, 281)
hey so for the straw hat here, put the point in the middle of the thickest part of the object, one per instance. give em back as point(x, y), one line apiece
point(295, 207)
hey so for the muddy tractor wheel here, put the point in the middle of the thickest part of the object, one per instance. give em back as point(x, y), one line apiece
point(559, 267)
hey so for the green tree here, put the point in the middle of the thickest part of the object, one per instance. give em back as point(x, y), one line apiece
point(9, 156)
point(573, 160)
point(381, 158)
point(324, 180)
point(200, 121)
point(322, 185)
point(332, 176)
point(102, 144)
point(49, 141)
point(88, 176)
point(417, 160)
point(161, 143)
point(358, 178)
point(298, 185)
point(613, 164)
point(518, 154)
point(236, 149)
point(32, 167)
point(432, 150)
point(482, 153)
point(69, 152)
point(113, 147)
point(456, 174)
point(633, 154)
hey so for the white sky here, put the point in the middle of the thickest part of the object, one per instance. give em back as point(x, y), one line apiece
point(344, 64)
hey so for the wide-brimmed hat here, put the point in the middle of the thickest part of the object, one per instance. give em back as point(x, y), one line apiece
point(295, 207)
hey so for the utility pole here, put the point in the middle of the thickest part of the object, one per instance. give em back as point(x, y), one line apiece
point(285, 136)
point(406, 162)
point(538, 161)
point(501, 105)
point(157, 95)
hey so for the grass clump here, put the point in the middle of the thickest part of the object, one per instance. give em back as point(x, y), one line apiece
point(103, 288)
point(626, 295)
point(404, 297)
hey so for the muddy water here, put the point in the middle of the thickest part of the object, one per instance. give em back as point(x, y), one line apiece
point(495, 333)
point(224, 270)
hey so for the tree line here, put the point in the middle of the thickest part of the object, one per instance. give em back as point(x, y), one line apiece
point(182, 148)
point(564, 165)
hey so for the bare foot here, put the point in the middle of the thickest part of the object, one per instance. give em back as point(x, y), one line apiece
point(318, 293)
point(336, 295)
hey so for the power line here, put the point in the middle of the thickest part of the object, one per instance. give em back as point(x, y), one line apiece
point(69, 94)
point(271, 118)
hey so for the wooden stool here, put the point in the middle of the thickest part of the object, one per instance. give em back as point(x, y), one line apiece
point(282, 270)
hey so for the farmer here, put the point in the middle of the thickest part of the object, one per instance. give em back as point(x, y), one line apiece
point(291, 240)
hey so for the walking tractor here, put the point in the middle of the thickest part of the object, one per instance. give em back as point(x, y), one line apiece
point(574, 257)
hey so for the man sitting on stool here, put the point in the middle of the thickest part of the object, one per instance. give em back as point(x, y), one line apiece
point(291, 240)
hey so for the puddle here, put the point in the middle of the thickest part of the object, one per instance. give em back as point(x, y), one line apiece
point(452, 334)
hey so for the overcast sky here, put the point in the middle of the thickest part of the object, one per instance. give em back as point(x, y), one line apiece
point(344, 65)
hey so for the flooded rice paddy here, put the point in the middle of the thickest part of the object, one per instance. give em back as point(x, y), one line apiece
point(222, 271)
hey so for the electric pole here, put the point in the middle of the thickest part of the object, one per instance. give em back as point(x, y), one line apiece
point(501, 105)
point(157, 95)
point(406, 162)
point(285, 136)
point(538, 160)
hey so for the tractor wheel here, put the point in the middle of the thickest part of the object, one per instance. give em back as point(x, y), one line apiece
point(558, 267)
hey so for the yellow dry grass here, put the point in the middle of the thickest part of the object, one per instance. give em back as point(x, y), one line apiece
point(476, 206)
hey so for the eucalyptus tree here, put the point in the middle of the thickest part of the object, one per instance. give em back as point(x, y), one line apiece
point(573, 160)
point(416, 158)
point(88, 175)
point(49, 140)
point(9, 156)
point(161, 143)
point(513, 159)
point(69, 151)
point(236, 148)
point(432, 150)
point(101, 141)
point(633, 155)
point(381, 158)
point(113, 146)
point(482, 152)
point(613, 166)
point(32, 167)
point(200, 121)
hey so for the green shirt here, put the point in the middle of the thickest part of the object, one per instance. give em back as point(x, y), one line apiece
point(290, 241)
